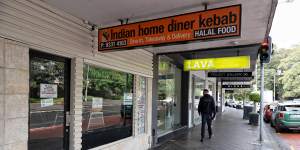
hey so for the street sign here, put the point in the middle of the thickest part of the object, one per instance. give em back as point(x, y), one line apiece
point(238, 62)
point(229, 91)
point(237, 79)
point(236, 86)
point(201, 25)
point(229, 74)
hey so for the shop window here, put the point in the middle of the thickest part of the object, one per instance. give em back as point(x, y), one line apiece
point(107, 106)
point(198, 93)
point(169, 96)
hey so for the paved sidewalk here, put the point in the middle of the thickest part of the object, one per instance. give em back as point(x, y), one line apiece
point(231, 132)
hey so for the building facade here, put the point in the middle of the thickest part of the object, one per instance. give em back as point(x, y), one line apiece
point(51, 92)
point(58, 92)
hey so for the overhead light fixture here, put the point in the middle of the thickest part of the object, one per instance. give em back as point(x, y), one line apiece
point(234, 42)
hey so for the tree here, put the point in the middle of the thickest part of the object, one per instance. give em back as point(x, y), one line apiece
point(286, 60)
point(254, 97)
point(290, 80)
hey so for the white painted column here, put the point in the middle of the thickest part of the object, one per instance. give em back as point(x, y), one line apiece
point(206, 80)
point(76, 103)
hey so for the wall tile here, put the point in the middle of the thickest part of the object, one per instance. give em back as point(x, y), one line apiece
point(16, 130)
point(2, 82)
point(16, 56)
point(16, 81)
point(1, 52)
point(16, 146)
point(2, 107)
point(1, 132)
point(16, 106)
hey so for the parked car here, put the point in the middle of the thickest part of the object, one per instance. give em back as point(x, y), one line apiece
point(230, 102)
point(268, 109)
point(234, 104)
point(239, 105)
point(286, 116)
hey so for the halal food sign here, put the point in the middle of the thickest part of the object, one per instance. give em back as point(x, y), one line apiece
point(202, 25)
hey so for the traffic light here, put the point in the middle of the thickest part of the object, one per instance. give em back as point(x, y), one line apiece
point(265, 50)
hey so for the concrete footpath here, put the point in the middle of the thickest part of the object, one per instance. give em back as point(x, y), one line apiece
point(231, 132)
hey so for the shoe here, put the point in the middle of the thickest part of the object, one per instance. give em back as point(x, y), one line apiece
point(210, 136)
point(201, 140)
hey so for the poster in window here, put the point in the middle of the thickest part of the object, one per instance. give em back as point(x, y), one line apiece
point(97, 102)
point(127, 99)
point(48, 90)
point(47, 102)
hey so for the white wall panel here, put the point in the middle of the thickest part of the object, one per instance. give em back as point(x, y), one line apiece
point(48, 29)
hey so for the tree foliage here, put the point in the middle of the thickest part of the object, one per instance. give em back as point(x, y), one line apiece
point(254, 96)
point(107, 83)
point(287, 83)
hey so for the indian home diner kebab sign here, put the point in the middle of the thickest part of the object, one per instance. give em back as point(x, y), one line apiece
point(202, 25)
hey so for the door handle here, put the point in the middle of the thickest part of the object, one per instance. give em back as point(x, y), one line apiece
point(68, 119)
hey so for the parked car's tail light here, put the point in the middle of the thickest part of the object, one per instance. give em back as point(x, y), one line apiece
point(281, 115)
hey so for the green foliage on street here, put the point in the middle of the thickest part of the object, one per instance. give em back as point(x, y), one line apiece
point(254, 96)
point(286, 61)
point(242, 94)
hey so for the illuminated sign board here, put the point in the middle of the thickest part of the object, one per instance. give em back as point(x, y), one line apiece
point(201, 25)
point(239, 62)
point(229, 74)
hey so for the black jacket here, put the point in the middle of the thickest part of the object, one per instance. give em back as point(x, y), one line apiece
point(207, 105)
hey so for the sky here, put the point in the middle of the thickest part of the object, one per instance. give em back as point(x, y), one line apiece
point(285, 31)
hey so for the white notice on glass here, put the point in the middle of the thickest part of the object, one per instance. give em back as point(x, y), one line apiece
point(97, 102)
point(47, 102)
point(127, 99)
point(48, 90)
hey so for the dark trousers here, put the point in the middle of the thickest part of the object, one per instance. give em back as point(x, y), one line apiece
point(206, 119)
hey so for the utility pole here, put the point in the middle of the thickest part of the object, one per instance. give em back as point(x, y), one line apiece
point(261, 99)
point(274, 88)
point(265, 53)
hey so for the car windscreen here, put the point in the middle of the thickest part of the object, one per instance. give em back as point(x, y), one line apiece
point(292, 108)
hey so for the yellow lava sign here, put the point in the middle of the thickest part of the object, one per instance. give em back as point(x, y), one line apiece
point(239, 62)
point(202, 25)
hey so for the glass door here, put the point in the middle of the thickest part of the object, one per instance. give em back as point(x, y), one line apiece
point(198, 86)
point(48, 102)
point(169, 96)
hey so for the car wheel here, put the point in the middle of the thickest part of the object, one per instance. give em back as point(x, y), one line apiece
point(277, 128)
point(272, 124)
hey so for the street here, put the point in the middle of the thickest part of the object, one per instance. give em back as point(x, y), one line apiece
point(293, 139)
point(290, 138)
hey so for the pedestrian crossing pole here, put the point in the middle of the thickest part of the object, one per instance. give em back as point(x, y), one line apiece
point(261, 100)
point(265, 52)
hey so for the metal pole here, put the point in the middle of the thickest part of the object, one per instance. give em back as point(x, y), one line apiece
point(261, 100)
point(256, 78)
point(87, 83)
point(274, 88)
point(222, 94)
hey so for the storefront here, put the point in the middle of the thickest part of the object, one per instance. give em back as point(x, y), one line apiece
point(65, 86)
point(170, 108)
point(57, 92)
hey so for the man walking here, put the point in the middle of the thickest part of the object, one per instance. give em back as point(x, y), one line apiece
point(207, 110)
